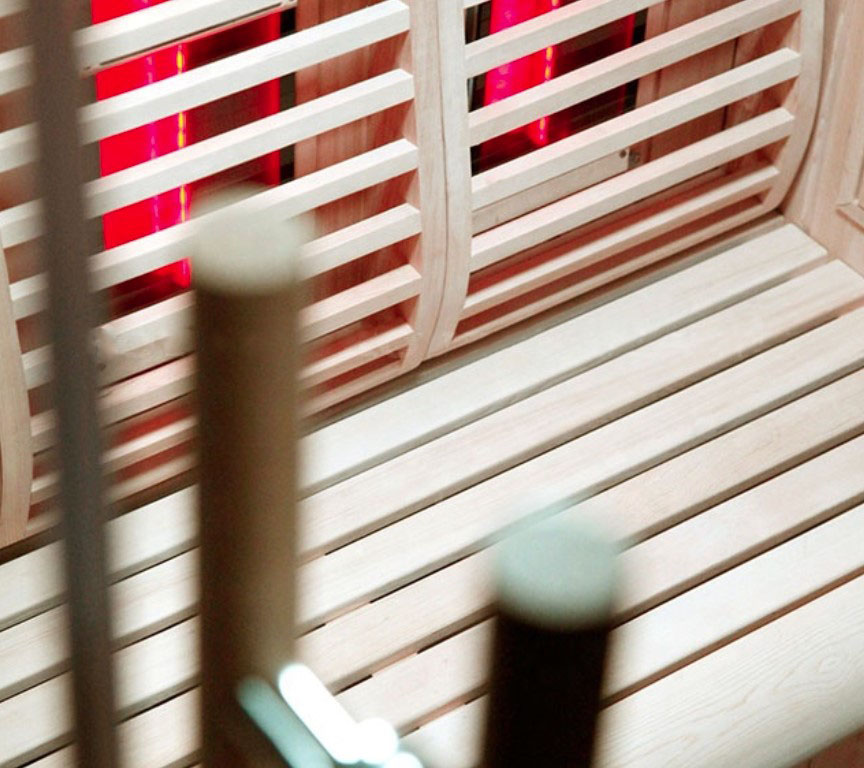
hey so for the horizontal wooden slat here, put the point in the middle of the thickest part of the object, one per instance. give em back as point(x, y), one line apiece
point(126, 399)
point(424, 412)
point(164, 736)
point(15, 68)
point(139, 539)
point(22, 223)
point(679, 242)
point(125, 454)
point(604, 198)
point(355, 507)
point(630, 64)
point(548, 29)
point(360, 301)
point(444, 532)
point(232, 74)
point(356, 385)
point(167, 246)
point(624, 131)
point(357, 354)
point(172, 380)
point(131, 343)
point(161, 332)
point(367, 236)
point(617, 237)
point(546, 192)
point(151, 28)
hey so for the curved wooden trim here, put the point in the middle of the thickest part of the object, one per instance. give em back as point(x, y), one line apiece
point(16, 453)
point(806, 35)
point(457, 169)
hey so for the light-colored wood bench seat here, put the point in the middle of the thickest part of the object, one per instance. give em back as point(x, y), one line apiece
point(712, 417)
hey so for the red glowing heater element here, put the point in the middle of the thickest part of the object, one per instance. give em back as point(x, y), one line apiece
point(169, 134)
point(531, 70)
point(542, 66)
point(146, 142)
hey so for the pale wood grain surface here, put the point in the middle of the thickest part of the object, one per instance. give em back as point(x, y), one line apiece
point(743, 472)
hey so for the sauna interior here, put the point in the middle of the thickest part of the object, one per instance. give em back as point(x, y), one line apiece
point(608, 249)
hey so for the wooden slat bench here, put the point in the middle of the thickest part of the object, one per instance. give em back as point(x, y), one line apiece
point(712, 417)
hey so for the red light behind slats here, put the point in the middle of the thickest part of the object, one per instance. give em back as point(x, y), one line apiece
point(169, 134)
point(146, 142)
point(543, 66)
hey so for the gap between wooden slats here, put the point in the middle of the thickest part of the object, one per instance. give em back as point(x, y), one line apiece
point(290, 199)
point(644, 122)
point(22, 223)
point(604, 198)
point(357, 354)
point(623, 67)
point(451, 599)
point(548, 29)
point(546, 192)
point(358, 240)
point(466, 522)
point(124, 455)
point(174, 380)
point(324, 580)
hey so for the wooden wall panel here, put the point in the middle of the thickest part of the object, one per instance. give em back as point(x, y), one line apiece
point(826, 200)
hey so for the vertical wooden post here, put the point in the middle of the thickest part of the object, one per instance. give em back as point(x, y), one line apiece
point(72, 316)
point(247, 345)
point(16, 442)
point(555, 588)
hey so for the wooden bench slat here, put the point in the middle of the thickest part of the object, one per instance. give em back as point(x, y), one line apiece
point(652, 645)
point(347, 649)
point(431, 409)
point(774, 685)
point(458, 397)
point(648, 647)
point(438, 469)
point(463, 523)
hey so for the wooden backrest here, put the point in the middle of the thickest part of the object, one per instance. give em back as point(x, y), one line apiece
point(417, 254)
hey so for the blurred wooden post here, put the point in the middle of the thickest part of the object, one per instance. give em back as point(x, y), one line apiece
point(247, 300)
point(555, 588)
point(72, 315)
